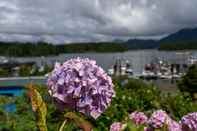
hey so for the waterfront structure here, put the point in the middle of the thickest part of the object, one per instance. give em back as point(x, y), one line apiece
point(121, 67)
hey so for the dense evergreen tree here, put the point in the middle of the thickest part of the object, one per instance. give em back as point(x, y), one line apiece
point(45, 49)
point(189, 81)
point(178, 46)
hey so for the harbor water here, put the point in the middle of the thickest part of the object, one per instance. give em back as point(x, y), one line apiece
point(137, 58)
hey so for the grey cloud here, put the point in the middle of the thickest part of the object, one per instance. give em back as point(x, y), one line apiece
point(93, 20)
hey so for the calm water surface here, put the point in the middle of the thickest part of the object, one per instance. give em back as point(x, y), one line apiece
point(137, 58)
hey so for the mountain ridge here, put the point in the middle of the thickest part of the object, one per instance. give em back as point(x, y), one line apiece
point(186, 35)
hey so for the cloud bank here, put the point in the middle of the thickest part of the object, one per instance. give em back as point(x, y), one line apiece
point(60, 21)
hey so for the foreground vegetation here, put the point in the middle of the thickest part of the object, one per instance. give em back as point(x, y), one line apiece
point(188, 83)
point(131, 95)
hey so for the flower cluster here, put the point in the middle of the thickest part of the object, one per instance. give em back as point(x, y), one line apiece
point(117, 126)
point(189, 122)
point(158, 119)
point(173, 126)
point(81, 85)
point(138, 118)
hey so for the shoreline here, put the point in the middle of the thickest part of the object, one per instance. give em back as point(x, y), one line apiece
point(107, 52)
point(23, 78)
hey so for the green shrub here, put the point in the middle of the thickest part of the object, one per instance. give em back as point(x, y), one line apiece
point(131, 95)
point(188, 82)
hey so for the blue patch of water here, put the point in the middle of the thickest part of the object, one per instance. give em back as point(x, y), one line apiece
point(11, 92)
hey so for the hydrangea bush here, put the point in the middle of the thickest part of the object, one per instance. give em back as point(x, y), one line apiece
point(189, 122)
point(117, 126)
point(81, 85)
point(138, 118)
point(174, 126)
point(159, 120)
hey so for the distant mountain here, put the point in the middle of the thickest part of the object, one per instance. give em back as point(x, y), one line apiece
point(141, 44)
point(182, 35)
point(185, 39)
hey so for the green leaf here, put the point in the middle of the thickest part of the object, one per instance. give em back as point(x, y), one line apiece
point(62, 126)
point(133, 127)
point(79, 121)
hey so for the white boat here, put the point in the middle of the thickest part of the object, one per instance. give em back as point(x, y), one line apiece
point(129, 71)
point(161, 70)
point(121, 67)
point(193, 59)
point(111, 71)
point(46, 75)
point(3, 60)
point(148, 75)
point(166, 76)
point(177, 76)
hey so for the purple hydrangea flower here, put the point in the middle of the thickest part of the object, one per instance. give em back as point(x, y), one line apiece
point(189, 122)
point(138, 118)
point(117, 126)
point(158, 119)
point(173, 126)
point(81, 85)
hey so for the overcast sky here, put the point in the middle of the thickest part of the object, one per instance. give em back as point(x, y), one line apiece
point(61, 21)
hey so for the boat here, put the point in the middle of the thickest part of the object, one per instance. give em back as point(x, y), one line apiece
point(129, 69)
point(161, 70)
point(111, 71)
point(193, 59)
point(3, 59)
point(121, 67)
point(148, 75)
point(150, 70)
